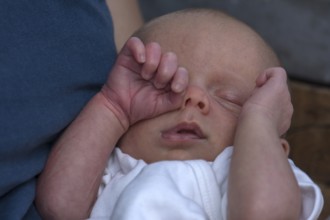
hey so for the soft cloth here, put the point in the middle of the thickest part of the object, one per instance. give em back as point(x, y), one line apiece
point(54, 56)
point(193, 189)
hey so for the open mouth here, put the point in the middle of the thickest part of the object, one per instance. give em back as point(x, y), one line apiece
point(184, 131)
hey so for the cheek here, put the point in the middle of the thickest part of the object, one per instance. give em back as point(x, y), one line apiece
point(140, 138)
point(225, 117)
point(225, 124)
point(131, 139)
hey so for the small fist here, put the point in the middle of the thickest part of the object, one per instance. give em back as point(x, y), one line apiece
point(271, 99)
point(144, 82)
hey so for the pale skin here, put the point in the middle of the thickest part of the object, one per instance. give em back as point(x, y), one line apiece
point(182, 102)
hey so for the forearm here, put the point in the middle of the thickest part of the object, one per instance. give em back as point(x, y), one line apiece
point(261, 183)
point(68, 186)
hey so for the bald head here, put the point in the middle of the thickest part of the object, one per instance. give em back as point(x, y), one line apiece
point(206, 28)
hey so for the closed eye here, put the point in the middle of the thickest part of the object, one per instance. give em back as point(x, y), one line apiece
point(228, 105)
point(229, 97)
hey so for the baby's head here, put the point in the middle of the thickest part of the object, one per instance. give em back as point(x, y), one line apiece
point(223, 57)
point(209, 33)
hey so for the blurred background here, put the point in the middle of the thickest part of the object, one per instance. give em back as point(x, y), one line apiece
point(299, 31)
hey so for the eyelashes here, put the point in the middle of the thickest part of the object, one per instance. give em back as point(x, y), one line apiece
point(228, 97)
point(228, 101)
point(228, 105)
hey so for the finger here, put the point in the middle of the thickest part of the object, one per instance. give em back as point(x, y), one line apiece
point(170, 101)
point(276, 72)
point(262, 78)
point(153, 56)
point(280, 73)
point(180, 80)
point(135, 47)
point(166, 70)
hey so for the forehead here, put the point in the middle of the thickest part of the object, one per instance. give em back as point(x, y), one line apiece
point(207, 49)
point(217, 45)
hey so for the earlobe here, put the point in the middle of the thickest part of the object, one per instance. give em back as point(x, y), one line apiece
point(286, 146)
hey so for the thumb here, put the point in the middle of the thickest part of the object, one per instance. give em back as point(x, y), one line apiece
point(269, 73)
point(169, 102)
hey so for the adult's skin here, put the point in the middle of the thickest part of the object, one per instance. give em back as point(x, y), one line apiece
point(124, 25)
point(54, 56)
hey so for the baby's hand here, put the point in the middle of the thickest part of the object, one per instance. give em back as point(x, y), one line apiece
point(271, 100)
point(144, 82)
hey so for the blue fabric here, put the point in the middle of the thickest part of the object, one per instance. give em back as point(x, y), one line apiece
point(54, 56)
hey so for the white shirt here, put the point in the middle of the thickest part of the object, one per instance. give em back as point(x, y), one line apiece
point(191, 189)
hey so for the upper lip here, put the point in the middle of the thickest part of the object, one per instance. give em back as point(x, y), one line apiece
point(188, 128)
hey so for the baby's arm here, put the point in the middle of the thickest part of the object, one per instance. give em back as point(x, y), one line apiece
point(143, 83)
point(261, 183)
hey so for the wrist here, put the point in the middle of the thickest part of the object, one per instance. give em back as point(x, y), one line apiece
point(113, 110)
point(257, 121)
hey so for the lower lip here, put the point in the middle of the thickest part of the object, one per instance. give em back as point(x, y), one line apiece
point(180, 137)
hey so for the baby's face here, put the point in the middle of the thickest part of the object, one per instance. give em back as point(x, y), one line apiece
point(221, 78)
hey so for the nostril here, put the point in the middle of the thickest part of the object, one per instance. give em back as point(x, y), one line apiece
point(187, 101)
point(201, 105)
point(198, 104)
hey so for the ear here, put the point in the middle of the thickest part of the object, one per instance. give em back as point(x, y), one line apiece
point(286, 146)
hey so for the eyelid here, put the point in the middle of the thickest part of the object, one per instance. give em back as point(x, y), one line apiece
point(234, 99)
point(229, 96)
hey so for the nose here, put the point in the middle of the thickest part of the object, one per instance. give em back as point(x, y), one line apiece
point(197, 97)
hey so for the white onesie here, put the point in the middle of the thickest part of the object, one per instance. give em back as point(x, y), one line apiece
point(192, 189)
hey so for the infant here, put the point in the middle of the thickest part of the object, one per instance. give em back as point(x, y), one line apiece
point(192, 117)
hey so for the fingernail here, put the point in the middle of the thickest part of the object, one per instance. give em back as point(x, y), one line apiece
point(177, 87)
point(142, 58)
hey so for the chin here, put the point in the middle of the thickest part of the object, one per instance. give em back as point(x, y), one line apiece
point(181, 154)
